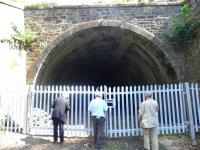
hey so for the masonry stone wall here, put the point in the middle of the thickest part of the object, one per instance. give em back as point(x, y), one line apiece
point(192, 60)
point(50, 23)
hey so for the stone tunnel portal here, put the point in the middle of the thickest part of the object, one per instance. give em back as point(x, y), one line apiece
point(105, 55)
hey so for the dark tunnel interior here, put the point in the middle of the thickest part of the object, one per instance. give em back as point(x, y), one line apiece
point(109, 56)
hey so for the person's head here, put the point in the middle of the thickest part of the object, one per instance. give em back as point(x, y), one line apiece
point(98, 94)
point(65, 94)
point(147, 94)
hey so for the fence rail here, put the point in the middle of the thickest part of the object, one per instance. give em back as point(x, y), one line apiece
point(30, 110)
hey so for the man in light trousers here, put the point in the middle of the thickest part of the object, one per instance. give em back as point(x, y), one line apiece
point(98, 107)
point(148, 118)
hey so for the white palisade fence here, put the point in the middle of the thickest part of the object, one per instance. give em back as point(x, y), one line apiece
point(30, 110)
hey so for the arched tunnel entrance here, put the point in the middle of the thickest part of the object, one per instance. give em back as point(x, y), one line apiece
point(105, 55)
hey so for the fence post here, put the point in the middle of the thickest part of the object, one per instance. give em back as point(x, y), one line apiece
point(190, 114)
point(26, 109)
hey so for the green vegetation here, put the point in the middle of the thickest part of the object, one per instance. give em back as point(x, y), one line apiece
point(141, 1)
point(20, 40)
point(18, 1)
point(97, 2)
point(42, 5)
point(123, 1)
point(185, 28)
point(13, 64)
point(1, 125)
point(14, 1)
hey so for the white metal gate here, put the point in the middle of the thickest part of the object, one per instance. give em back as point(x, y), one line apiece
point(13, 110)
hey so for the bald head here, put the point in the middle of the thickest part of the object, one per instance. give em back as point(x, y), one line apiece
point(98, 94)
point(148, 94)
point(65, 94)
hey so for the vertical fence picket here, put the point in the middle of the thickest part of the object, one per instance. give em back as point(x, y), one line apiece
point(139, 103)
point(132, 115)
point(92, 97)
point(192, 90)
point(169, 100)
point(88, 115)
point(161, 108)
point(173, 108)
point(23, 105)
point(48, 105)
point(177, 109)
point(182, 106)
point(36, 108)
point(136, 103)
point(76, 110)
point(84, 112)
point(155, 93)
point(110, 113)
point(127, 109)
point(67, 88)
point(114, 109)
point(119, 111)
point(80, 110)
point(154, 89)
point(105, 97)
point(72, 110)
point(31, 109)
point(16, 101)
point(198, 104)
point(4, 116)
point(165, 110)
point(123, 111)
point(13, 108)
point(45, 109)
point(40, 108)
point(7, 115)
point(11, 113)
point(52, 98)
point(142, 99)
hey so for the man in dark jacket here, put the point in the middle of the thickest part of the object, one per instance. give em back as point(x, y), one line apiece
point(60, 107)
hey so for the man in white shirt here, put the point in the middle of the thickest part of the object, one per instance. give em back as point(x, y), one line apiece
point(148, 115)
point(98, 107)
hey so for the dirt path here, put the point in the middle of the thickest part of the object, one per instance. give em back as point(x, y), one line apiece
point(22, 142)
point(13, 141)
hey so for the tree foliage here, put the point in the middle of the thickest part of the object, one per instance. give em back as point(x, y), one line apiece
point(185, 28)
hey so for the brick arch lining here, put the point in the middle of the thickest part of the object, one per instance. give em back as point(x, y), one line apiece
point(91, 24)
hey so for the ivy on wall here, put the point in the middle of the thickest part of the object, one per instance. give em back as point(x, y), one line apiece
point(185, 28)
point(20, 40)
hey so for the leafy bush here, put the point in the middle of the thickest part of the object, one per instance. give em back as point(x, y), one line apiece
point(20, 40)
point(185, 28)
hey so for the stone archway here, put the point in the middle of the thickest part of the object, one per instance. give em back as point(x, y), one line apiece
point(104, 52)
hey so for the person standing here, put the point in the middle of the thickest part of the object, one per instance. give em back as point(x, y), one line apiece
point(98, 108)
point(148, 118)
point(59, 115)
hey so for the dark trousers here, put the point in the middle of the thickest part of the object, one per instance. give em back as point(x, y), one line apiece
point(98, 127)
point(56, 123)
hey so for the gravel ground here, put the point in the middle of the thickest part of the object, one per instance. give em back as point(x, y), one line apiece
point(14, 141)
